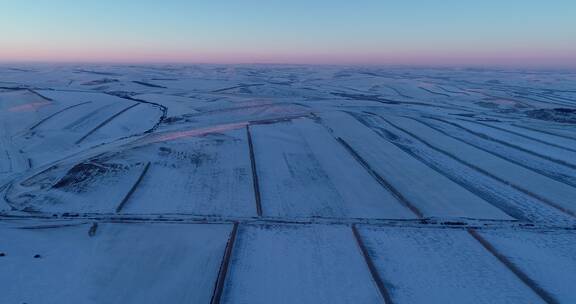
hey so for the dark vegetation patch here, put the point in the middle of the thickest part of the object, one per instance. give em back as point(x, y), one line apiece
point(100, 81)
point(177, 119)
point(172, 158)
point(122, 94)
point(147, 84)
point(376, 98)
point(563, 115)
point(82, 174)
point(97, 72)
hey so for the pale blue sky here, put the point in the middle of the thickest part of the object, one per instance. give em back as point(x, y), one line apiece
point(313, 31)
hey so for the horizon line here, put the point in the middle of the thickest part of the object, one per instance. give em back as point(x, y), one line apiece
point(536, 66)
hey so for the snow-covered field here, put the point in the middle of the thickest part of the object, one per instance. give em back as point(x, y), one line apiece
point(286, 184)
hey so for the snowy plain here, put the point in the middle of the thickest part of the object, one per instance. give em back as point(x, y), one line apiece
point(286, 184)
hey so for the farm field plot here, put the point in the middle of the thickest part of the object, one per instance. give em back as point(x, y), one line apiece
point(286, 184)
point(443, 266)
point(110, 263)
point(304, 171)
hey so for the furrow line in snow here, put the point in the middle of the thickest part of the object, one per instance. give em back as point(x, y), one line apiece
point(8, 160)
point(38, 94)
point(546, 296)
point(237, 108)
point(450, 91)
point(147, 84)
point(508, 183)
point(270, 121)
point(27, 88)
point(489, 138)
point(36, 125)
point(512, 213)
point(77, 123)
point(545, 132)
point(371, 267)
point(435, 93)
point(377, 98)
point(162, 108)
point(550, 94)
point(255, 181)
point(133, 188)
point(556, 103)
point(223, 271)
point(237, 87)
point(398, 92)
point(565, 101)
point(504, 157)
point(521, 135)
point(102, 124)
point(397, 194)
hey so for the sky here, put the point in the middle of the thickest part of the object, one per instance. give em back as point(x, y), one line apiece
point(402, 32)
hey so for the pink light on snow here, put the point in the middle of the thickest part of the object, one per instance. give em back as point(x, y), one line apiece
point(29, 107)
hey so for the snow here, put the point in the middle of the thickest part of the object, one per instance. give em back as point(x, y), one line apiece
point(559, 154)
point(291, 264)
point(518, 204)
point(513, 174)
point(539, 252)
point(441, 266)
point(120, 263)
point(208, 175)
point(305, 172)
point(429, 191)
point(286, 184)
point(539, 136)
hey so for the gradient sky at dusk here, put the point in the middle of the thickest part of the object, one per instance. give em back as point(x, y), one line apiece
point(444, 32)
